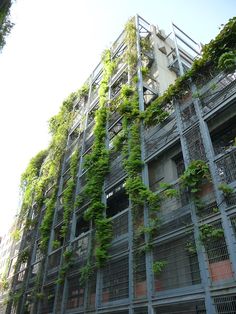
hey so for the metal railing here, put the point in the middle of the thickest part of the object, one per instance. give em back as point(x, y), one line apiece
point(226, 166)
point(218, 92)
point(157, 137)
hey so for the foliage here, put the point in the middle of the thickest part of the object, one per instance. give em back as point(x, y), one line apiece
point(4, 283)
point(16, 235)
point(191, 247)
point(196, 172)
point(85, 273)
point(23, 256)
point(226, 189)
point(68, 193)
point(56, 244)
point(130, 40)
point(227, 61)
point(169, 192)
point(46, 224)
point(83, 91)
point(158, 266)
point(210, 232)
point(5, 23)
point(66, 265)
point(97, 165)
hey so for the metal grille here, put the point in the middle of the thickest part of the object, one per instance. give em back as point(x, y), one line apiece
point(118, 248)
point(88, 143)
point(223, 137)
point(195, 145)
point(231, 200)
point(181, 265)
point(59, 216)
point(48, 300)
point(91, 291)
point(120, 225)
point(157, 137)
point(80, 249)
point(175, 224)
point(75, 294)
point(141, 310)
point(188, 115)
point(223, 89)
point(116, 280)
point(116, 87)
point(114, 116)
point(116, 171)
point(54, 260)
point(197, 307)
point(174, 203)
point(139, 271)
point(207, 210)
point(225, 304)
point(233, 221)
point(227, 167)
point(218, 258)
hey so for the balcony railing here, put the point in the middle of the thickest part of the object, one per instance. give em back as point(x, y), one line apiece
point(80, 248)
point(226, 166)
point(157, 137)
point(116, 171)
point(218, 92)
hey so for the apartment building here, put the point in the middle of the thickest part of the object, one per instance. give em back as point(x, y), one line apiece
point(176, 258)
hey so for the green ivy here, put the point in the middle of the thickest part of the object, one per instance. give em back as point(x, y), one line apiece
point(66, 265)
point(209, 233)
point(159, 266)
point(97, 165)
point(194, 175)
point(68, 194)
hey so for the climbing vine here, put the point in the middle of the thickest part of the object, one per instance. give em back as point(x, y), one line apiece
point(139, 193)
point(68, 193)
point(97, 165)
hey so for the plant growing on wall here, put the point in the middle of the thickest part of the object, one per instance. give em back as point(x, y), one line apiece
point(159, 266)
point(68, 193)
point(194, 175)
point(226, 189)
point(97, 165)
point(209, 233)
point(66, 265)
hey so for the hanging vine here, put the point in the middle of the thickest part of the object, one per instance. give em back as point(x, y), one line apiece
point(97, 165)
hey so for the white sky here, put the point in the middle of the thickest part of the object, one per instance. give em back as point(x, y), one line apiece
point(50, 52)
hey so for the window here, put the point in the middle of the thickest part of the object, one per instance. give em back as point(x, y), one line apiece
point(117, 201)
point(82, 226)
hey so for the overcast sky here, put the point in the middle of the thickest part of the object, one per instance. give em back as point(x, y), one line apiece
point(50, 52)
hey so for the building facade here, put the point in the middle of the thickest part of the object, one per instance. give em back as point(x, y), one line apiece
point(176, 258)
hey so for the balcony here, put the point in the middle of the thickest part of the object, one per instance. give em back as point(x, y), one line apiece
point(157, 137)
point(219, 91)
point(116, 170)
point(80, 248)
point(226, 166)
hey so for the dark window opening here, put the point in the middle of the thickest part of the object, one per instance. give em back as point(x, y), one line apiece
point(82, 226)
point(117, 201)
